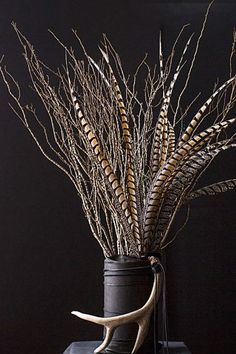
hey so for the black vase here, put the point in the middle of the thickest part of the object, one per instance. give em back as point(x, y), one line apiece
point(127, 285)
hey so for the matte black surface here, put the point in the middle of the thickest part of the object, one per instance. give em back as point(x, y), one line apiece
point(88, 348)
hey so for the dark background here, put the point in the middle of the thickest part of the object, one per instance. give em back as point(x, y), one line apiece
point(49, 263)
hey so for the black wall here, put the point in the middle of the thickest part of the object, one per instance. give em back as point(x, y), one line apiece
point(49, 263)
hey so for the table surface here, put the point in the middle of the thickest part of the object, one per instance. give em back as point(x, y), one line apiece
point(88, 348)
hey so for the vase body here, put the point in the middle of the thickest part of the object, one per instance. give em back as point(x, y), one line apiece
point(127, 285)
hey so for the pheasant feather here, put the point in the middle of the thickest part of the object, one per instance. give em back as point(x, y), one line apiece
point(213, 189)
point(131, 180)
point(193, 125)
point(159, 150)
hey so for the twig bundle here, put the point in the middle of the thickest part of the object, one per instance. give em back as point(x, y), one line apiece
point(131, 161)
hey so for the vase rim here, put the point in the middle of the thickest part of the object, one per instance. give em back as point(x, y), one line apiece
point(125, 259)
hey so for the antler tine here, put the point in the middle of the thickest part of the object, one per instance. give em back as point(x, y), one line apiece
point(102, 321)
point(140, 316)
point(143, 326)
point(107, 339)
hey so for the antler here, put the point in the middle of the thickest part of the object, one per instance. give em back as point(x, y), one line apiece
point(140, 316)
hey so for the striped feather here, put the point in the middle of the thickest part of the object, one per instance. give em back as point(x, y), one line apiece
point(99, 71)
point(121, 105)
point(131, 182)
point(158, 143)
point(171, 140)
point(216, 188)
point(161, 65)
point(159, 150)
point(193, 125)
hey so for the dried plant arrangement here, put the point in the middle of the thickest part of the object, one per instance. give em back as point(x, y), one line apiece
point(129, 168)
point(133, 159)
